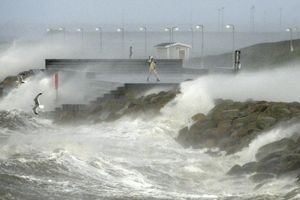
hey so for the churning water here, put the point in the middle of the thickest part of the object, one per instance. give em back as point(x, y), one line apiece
point(126, 159)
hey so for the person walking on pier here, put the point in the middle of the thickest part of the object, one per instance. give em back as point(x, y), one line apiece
point(152, 68)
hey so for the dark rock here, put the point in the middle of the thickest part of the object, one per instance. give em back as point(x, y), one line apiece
point(224, 126)
point(292, 194)
point(9, 82)
point(153, 102)
point(236, 170)
point(1, 92)
point(265, 122)
point(233, 125)
point(271, 165)
point(12, 82)
point(278, 146)
point(245, 169)
point(112, 117)
point(259, 177)
point(183, 138)
point(250, 167)
point(280, 111)
point(199, 117)
point(289, 162)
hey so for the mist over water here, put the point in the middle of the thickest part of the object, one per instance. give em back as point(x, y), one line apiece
point(135, 158)
point(127, 158)
point(24, 52)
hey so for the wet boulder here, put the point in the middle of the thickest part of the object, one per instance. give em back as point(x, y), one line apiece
point(233, 125)
point(260, 177)
point(283, 145)
point(199, 117)
point(248, 168)
point(265, 122)
point(235, 170)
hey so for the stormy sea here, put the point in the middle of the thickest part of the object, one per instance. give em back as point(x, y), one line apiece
point(138, 158)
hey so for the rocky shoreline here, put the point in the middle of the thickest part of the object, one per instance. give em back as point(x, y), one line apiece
point(272, 160)
point(118, 106)
point(230, 127)
point(12, 82)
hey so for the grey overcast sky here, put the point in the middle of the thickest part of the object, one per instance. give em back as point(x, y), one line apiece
point(147, 11)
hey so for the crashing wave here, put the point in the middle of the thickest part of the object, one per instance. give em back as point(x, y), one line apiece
point(17, 120)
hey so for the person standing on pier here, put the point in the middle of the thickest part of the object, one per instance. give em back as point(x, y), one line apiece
point(152, 68)
point(130, 52)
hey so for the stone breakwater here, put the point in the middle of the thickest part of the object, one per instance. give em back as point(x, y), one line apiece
point(232, 126)
point(12, 82)
point(124, 103)
point(272, 161)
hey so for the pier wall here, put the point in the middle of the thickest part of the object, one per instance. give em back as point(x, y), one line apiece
point(115, 66)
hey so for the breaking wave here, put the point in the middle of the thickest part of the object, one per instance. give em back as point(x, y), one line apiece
point(130, 158)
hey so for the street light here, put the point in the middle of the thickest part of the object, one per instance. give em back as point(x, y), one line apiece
point(222, 18)
point(219, 19)
point(171, 32)
point(80, 30)
point(122, 31)
point(202, 43)
point(62, 29)
point(192, 35)
point(252, 18)
point(145, 31)
point(231, 26)
point(291, 38)
point(174, 29)
point(228, 26)
point(99, 29)
point(49, 32)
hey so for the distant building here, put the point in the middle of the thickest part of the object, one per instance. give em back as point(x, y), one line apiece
point(173, 50)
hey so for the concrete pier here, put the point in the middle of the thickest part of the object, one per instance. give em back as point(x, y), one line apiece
point(115, 66)
point(109, 78)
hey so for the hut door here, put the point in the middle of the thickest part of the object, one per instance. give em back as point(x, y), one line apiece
point(182, 54)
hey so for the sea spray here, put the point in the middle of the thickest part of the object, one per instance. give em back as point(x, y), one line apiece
point(128, 158)
point(276, 134)
point(22, 97)
point(21, 55)
point(193, 99)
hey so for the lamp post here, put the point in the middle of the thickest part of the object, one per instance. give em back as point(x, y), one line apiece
point(171, 32)
point(280, 19)
point(63, 30)
point(99, 29)
point(219, 19)
point(122, 31)
point(80, 30)
point(49, 32)
point(202, 43)
point(252, 18)
point(291, 39)
point(145, 31)
point(174, 29)
point(222, 18)
point(192, 36)
point(228, 26)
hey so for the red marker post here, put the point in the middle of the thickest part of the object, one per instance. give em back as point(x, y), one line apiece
point(56, 84)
